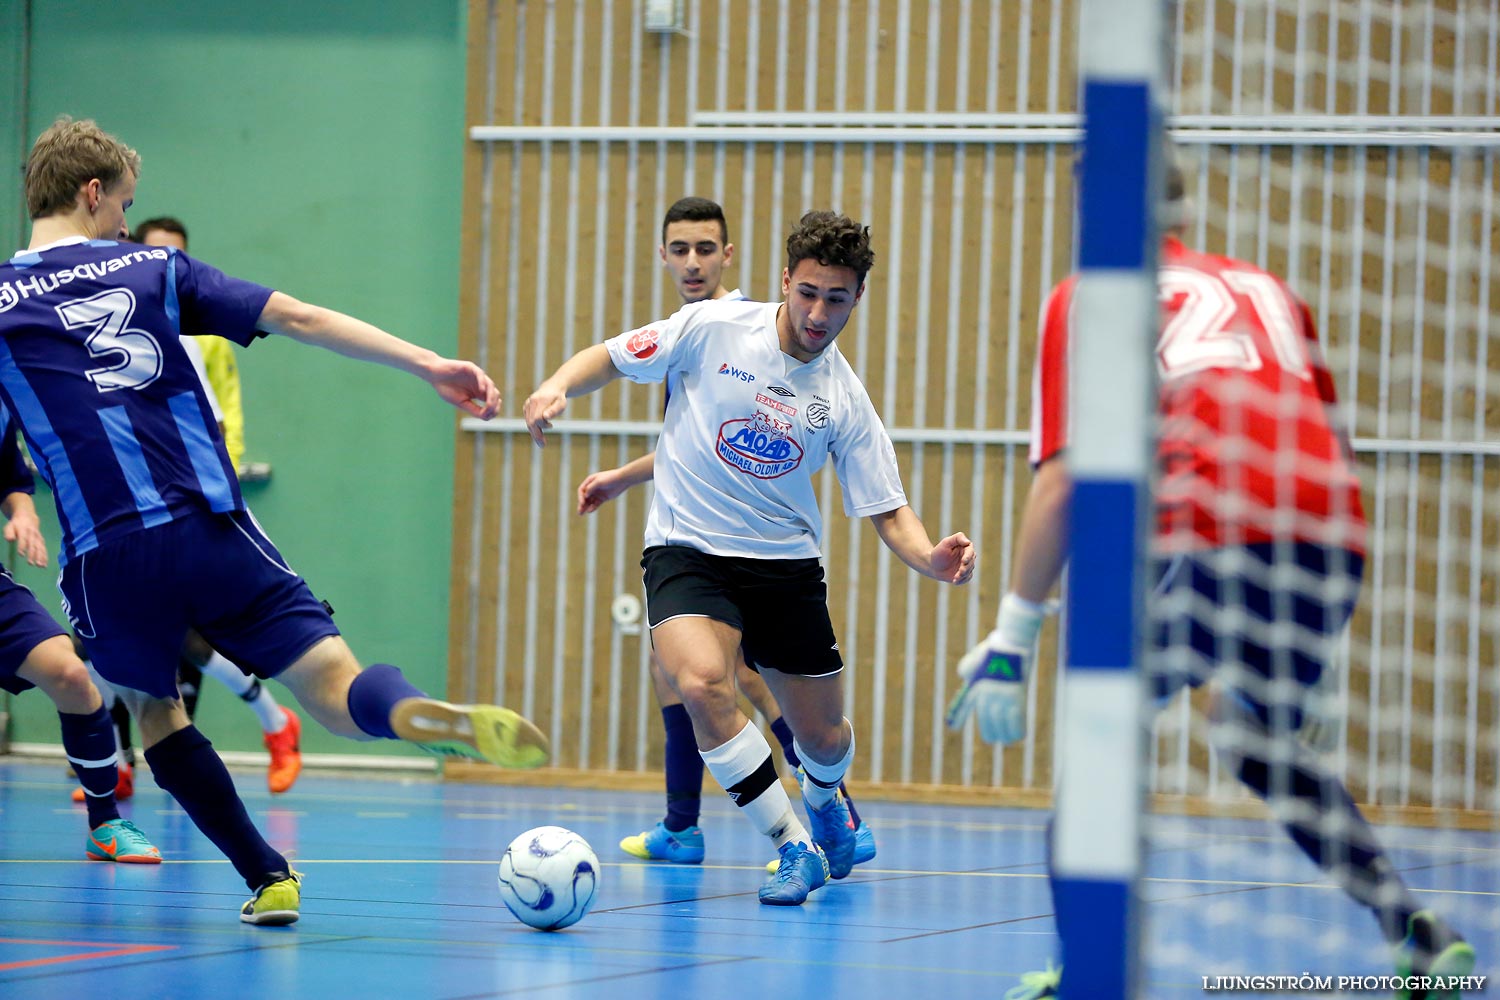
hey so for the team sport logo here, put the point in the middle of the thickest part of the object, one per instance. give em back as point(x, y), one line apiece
point(817, 415)
point(759, 446)
point(643, 343)
point(728, 369)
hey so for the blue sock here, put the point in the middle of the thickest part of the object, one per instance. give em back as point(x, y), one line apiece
point(89, 742)
point(684, 767)
point(187, 768)
point(783, 734)
point(1337, 840)
point(373, 696)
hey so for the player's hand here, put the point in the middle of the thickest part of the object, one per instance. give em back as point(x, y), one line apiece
point(465, 385)
point(26, 531)
point(1322, 711)
point(598, 489)
point(540, 407)
point(953, 559)
point(994, 690)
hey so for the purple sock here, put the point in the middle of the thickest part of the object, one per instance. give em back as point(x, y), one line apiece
point(187, 768)
point(684, 767)
point(89, 742)
point(373, 696)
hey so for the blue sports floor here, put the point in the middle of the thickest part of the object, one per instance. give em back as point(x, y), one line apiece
point(400, 901)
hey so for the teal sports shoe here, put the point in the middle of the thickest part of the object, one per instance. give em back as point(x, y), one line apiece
point(121, 840)
point(864, 843)
point(832, 831)
point(802, 869)
point(1036, 985)
point(1432, 948)
point(681, 847)
point(488, 733)
point(276, 903)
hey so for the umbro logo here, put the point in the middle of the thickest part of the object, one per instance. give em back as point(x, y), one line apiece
point(781, 391)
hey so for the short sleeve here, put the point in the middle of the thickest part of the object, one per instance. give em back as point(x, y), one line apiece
point(210, 301)
point(648, 353)
point(865, 461)
point(1049, 385)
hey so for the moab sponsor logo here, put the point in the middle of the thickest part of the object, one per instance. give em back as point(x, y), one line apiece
point(757, 448)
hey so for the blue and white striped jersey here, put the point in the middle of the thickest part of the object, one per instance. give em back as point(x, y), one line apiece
point(92, 368)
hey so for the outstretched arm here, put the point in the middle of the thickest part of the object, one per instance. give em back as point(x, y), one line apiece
point(950, 560)
point(461, 383)
point(1042, 547)
point(589, 369)
point(601, 487)
point(995, 671)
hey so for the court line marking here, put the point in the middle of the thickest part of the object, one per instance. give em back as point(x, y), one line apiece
point(110, 951)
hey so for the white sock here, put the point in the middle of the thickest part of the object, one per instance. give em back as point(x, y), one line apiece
point(743, 768)
point(820, 792)
point(251, 691)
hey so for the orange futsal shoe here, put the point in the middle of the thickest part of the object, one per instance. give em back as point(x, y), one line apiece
point(124, 785)
point(286, 754)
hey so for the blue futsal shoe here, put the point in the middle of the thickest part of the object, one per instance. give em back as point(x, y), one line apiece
point(832, 831)
point(802, 870)
point(864, 843)
point(684, 847)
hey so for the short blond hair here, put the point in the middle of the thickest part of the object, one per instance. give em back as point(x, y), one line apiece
point(69, 155)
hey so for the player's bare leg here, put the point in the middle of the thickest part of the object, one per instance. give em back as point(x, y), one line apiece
point(677, 837)
point(379, 702)
point(89, 742)
point(698, 655)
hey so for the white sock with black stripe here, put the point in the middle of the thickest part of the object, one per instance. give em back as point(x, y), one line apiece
point(744, 769)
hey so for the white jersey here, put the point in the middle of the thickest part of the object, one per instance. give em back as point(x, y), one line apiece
point(746, 428)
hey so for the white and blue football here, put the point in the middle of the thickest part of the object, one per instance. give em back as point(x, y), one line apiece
point(548, 878)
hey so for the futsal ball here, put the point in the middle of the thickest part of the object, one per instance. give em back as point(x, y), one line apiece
point(548, 877)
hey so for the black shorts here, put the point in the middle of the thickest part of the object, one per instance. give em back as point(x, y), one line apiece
point(1264, 618)
point(780, 606)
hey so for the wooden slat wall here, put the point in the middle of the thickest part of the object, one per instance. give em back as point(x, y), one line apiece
point(558, 253)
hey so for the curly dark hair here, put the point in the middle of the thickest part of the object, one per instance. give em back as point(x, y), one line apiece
point(833, 240)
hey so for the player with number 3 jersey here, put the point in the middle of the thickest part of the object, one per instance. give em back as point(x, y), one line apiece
point(156, 538)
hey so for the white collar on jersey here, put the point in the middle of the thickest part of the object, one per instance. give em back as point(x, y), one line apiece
point(66, 241)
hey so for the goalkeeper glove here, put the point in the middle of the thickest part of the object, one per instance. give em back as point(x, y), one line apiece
point(994, 674)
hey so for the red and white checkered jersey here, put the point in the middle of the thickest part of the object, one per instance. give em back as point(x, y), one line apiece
point(1248, 449)
point(746, 429)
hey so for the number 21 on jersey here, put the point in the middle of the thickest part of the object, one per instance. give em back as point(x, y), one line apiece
point(135, 354)
point(1210, 330)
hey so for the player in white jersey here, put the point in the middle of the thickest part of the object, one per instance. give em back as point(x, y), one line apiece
point(761, 400)
point(695, 250)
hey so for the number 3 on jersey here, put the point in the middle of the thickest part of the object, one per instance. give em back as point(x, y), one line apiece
point(1210, 329)
point(135, 353)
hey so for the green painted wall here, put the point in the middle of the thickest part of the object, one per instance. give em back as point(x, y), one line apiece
point(315, 148)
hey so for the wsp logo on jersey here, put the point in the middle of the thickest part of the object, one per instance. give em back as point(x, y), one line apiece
point(727, 369)
point(757, 447)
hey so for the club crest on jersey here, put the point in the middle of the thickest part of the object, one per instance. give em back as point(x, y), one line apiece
point(643, 343)
point(759, 446)
point(728, 369)
point(817, 415)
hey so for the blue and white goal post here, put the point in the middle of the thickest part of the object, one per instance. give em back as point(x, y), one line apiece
point(1101, 781)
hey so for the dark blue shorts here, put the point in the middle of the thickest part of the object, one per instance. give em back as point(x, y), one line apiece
point(24, 625)
point(133, 599)
point(1263, 619)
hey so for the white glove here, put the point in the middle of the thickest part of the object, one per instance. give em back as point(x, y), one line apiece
point(994, 674)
